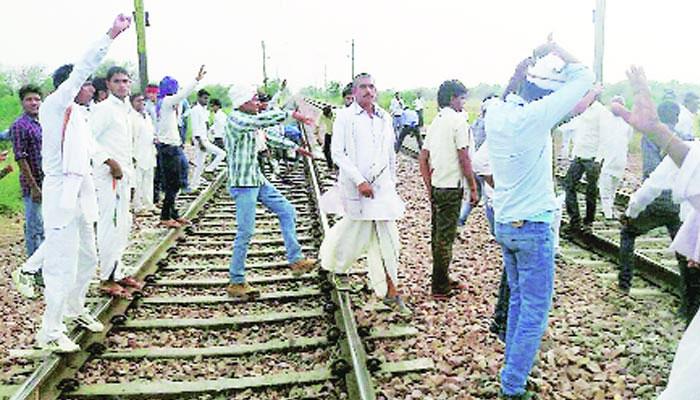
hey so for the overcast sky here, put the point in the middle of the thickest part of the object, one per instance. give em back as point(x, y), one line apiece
point(404, 44)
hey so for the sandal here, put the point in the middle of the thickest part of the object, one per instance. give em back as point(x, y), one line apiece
point(116, 291)
point(170, 224)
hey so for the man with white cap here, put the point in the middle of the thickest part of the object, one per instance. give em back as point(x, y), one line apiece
point(69, 204)
point(363, 149)
point(518, 135)
point(247, 184)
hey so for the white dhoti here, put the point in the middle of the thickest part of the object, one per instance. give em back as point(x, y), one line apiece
point(69, 263)
point(349, 239)
point(114, 224)
point(143, 189)
point(607, 185)
point(201, 159)
point(33, 264)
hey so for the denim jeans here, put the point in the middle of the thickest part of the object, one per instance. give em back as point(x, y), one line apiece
point(33, 225)
point(528, 257)
point(466, 205)
point(246, 199)
point(184, 170)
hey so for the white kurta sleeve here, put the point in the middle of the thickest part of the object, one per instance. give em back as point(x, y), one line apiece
point(342, 134)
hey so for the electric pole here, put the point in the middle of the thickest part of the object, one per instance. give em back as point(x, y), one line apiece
point(599, 21)
point(140, 20)
point(352, 60)
point(264, 58)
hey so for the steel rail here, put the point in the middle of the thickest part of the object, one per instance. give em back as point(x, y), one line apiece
point(47, 381)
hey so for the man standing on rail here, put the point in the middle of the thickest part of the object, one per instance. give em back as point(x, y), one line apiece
point(199, 116)
point(396, 109)
point(247, 184)
point(111, 126)
point(363, 149)
point(70, 205)
point(586, 159)
point(518, 135)
point(446, 166)
point(218, 128)
point(646, 212)
point(170, 152)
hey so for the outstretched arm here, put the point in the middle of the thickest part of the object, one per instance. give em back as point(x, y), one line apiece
point(643, 117)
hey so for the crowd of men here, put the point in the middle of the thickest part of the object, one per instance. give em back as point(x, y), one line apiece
point(93, 150)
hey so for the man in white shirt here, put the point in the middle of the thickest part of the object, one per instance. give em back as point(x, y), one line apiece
point(199, 115)
point(170, 154)
point(586, 127)
point(218, 128)
point(409, 126)
point(363, 150)
point(111, 127)
point(144, 155)
point(419, 105)
point(69, 205)
point(396, 110)
point(613, 155)
point(444, 165)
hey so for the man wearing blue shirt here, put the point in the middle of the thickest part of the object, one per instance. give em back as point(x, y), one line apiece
point(518, 133)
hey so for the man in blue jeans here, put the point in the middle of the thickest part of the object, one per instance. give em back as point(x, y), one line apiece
point(518, 128)
point(248, 184)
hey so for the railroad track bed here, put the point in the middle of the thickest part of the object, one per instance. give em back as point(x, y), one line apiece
point(185, 338)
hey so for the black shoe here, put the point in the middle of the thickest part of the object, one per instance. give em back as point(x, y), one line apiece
point(624, 287)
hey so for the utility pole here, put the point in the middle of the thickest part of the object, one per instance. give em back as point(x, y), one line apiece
point(264, 58)
point(140, 19)
point(352, 60)
point(599, 21)
point(325, 76)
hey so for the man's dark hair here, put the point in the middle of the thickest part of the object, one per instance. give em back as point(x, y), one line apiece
point(100, 85)
point(347, 90)
point(27, 89)
point(116, 70)
point(668, 112)
point(152, 86)
point(215, 102)
point(448, 90)
point(61, 74)
point(327, 110)
point(202, 92)
point(135, 96)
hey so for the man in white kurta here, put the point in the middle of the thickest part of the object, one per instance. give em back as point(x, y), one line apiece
point(612, 152)
point(144, 155)
point(362, 147)
point(111, 128)
point(70, 207)
point(199, 115)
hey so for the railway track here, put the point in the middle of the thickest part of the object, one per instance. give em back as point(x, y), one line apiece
point(654, 262)
point(317, 335)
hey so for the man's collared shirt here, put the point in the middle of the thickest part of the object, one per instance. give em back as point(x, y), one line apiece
point(110, 121)
point(396, 107)
point(448, 133)
point(199, 116)
point(26, 144)
point(587, 131)
point(242, 159)
point(218, 128)
point(409, 118)
point(418, 103)
point(520, 147)
point(167, 127)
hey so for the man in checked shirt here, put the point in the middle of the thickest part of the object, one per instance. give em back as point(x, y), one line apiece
point(247, 184)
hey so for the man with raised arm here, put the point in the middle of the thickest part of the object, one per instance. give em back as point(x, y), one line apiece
point(69, 203)
point(170, 152)
point(519, 139)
